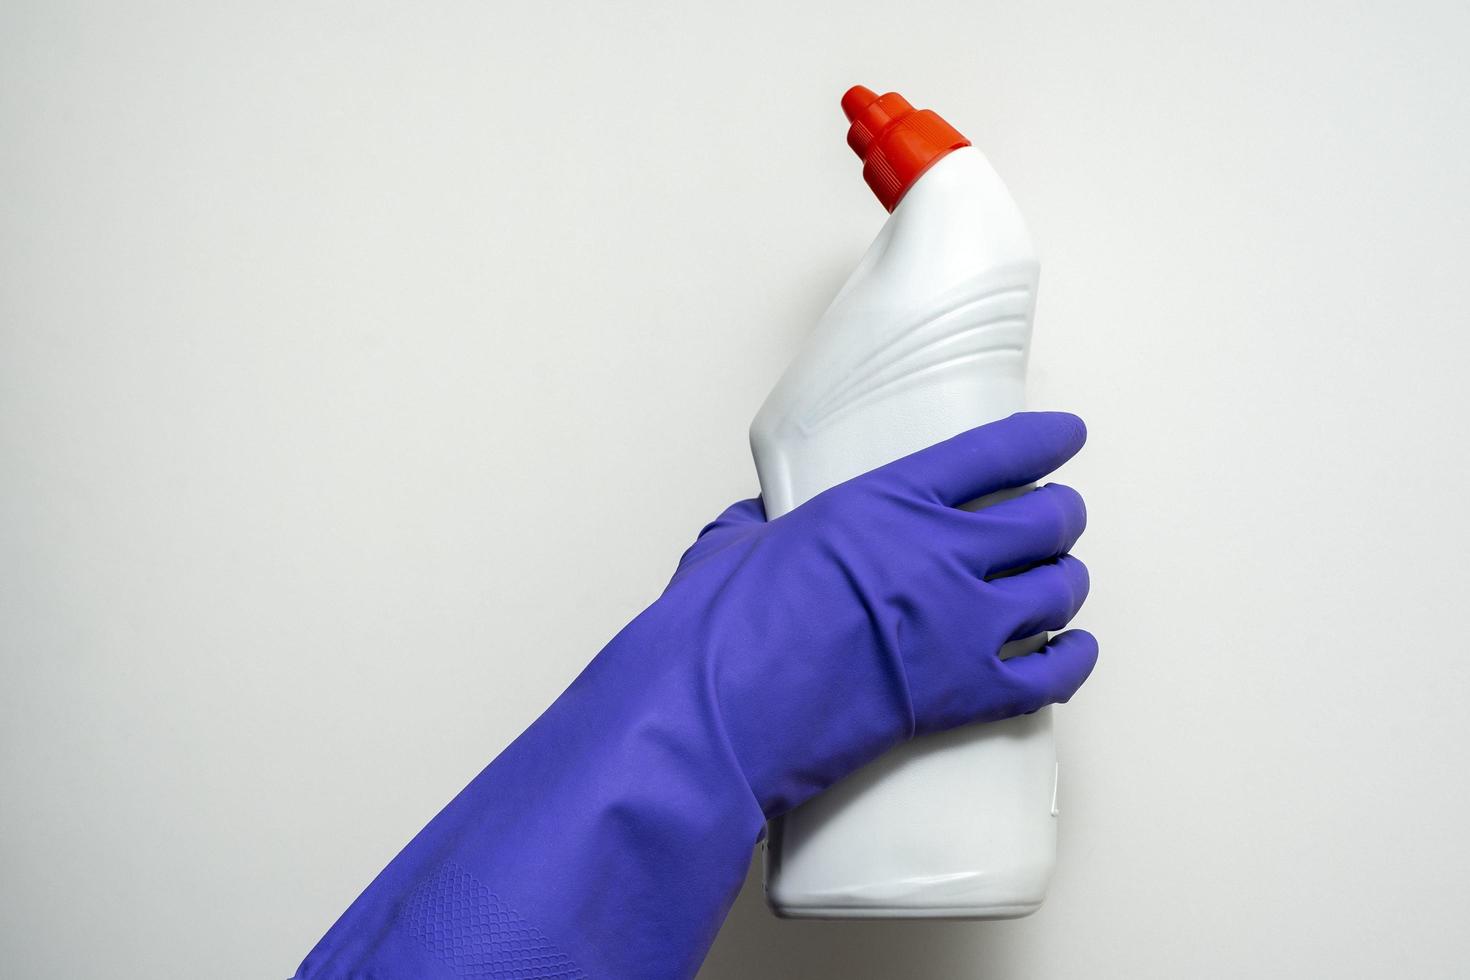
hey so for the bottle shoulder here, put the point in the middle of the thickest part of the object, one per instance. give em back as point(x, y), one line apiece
point(948, 284)
point(960, 215)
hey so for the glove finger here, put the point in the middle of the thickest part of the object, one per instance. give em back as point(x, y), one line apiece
point(719, 531)
point(749, 511)
point(1010, 453)
point(1036, 526)
point(741, 512)
point(1045, 597)
point(1053, 674)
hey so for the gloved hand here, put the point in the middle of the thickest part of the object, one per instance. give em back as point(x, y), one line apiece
point(611, 837)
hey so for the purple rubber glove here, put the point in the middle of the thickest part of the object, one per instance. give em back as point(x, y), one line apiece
point(610, 838)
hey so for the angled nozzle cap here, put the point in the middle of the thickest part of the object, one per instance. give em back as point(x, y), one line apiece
point(895, 141)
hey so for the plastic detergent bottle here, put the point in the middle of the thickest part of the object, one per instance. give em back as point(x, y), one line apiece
point(928, 338)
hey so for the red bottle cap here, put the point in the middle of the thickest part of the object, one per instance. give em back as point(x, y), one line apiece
point(896, 142)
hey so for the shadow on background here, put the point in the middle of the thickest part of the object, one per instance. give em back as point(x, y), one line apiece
point(754, 943)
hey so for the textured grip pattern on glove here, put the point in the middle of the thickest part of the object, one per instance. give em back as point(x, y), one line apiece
point(783, 655)
point(467, 926)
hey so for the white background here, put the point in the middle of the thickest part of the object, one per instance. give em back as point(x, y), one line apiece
point(363, 368)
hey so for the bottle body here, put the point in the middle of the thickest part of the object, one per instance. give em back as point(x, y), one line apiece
point(928, 338)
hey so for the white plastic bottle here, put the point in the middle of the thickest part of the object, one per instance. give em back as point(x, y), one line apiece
point(929, 337)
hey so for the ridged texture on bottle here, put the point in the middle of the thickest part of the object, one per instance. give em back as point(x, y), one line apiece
point(979, 320)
